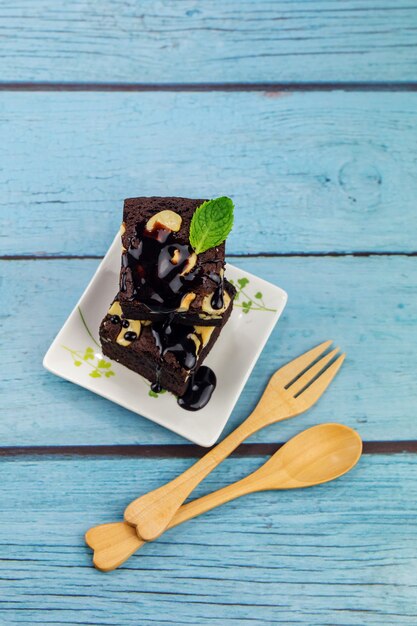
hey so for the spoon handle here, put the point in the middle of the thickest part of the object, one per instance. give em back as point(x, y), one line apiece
point(152, 512)
point(213, 500)
point(114, 543)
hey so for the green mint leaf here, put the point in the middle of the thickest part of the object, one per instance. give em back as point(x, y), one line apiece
point(258, 295)
point(89, 350)
point(152, 394)
point(109, 373)
point(243, 282)
point(95, 374)
point(211, 223)
point(77, 363)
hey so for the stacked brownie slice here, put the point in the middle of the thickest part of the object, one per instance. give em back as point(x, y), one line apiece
point(172, 303)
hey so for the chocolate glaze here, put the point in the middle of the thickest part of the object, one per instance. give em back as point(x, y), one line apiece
point(217, 300)
point(176, 338)
point(200, 389)
point(157, 262)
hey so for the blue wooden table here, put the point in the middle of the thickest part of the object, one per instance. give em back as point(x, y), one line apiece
point(305, 113)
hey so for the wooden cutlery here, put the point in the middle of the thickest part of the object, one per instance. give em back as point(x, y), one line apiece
point(292, 390)
point(317, 455)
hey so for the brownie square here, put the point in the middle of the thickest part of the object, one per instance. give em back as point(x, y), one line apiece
point(161, 274)
point(137, 345)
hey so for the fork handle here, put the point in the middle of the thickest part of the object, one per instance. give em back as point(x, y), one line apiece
point(152, 512)
point(114, 543)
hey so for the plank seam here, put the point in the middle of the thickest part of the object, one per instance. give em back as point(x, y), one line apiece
point(181, 450)
point(206, 87)
point(358, 254)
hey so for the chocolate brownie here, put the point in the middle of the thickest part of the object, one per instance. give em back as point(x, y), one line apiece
point(164, 352)
point(161, 273)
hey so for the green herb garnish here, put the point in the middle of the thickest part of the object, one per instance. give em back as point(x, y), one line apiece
point(211, 223)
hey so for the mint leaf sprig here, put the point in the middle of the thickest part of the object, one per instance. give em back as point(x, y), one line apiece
point(211, 224)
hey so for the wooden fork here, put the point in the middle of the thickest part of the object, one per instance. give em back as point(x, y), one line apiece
point(292, 390)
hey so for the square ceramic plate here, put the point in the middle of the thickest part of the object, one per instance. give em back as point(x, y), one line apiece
point(75, 353)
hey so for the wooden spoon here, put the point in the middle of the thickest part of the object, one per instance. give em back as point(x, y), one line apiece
point(317, 455)
point(293, 389)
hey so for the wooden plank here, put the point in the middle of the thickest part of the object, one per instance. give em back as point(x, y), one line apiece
point(312, 172)
point(367, 305)
point(178, 41)
point(339, 554)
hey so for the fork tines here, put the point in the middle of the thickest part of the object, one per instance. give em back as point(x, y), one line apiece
point(311, 373)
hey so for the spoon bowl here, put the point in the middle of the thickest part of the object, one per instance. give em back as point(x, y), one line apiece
point(314, 456)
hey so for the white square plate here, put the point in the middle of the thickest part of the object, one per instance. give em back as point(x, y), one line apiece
point(75, 353)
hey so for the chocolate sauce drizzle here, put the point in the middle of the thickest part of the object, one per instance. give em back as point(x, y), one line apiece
point(158, 264)
point(176, 338)
point(217, 300)
point(200, 389)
